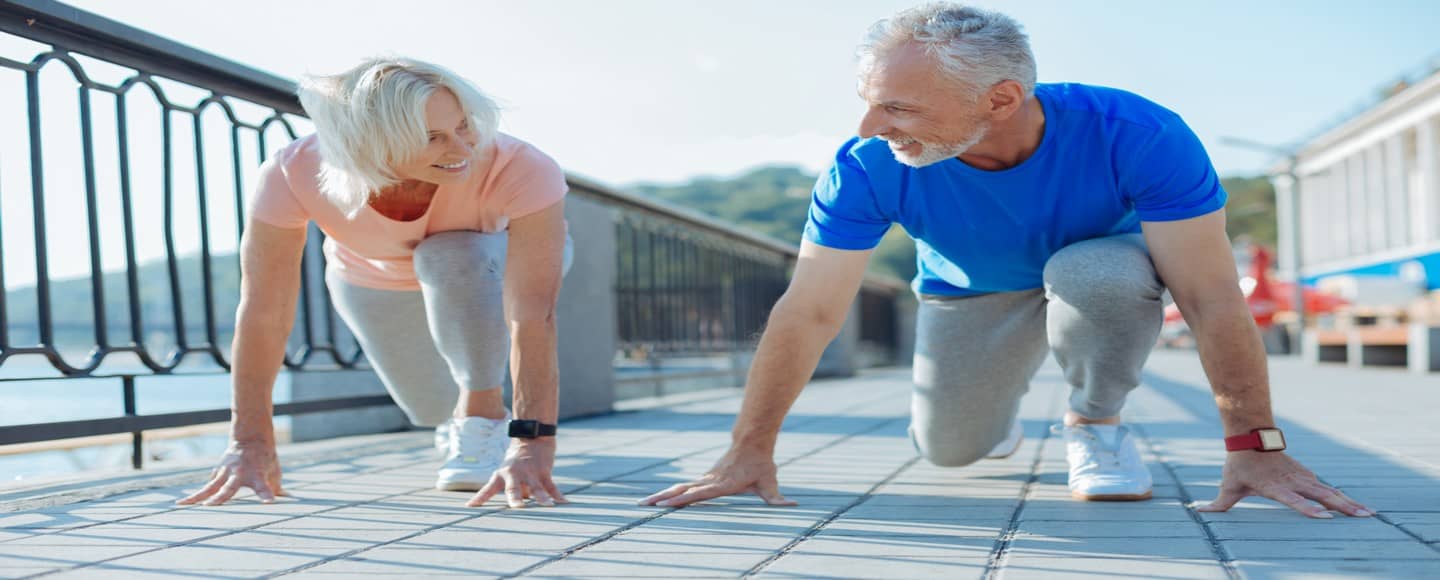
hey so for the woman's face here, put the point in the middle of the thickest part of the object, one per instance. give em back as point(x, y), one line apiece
point(450, 154)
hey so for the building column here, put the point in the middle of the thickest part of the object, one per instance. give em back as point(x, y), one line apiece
point(1425, 191)
point(1285, 206)
point(1375, 214)
point(1397, 218)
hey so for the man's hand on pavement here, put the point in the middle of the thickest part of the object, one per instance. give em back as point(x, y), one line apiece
point(737, 472)
point(526, 474)
point(1277, 476)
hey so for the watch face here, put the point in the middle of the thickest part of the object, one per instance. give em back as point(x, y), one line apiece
point(1271, 440)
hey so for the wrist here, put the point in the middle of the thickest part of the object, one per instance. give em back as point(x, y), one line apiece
point(742, 442)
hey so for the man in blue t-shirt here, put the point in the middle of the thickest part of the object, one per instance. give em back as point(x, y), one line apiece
point(1048, 218)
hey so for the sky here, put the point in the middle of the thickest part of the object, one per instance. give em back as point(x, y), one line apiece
point(627, 91)
point(630, 90)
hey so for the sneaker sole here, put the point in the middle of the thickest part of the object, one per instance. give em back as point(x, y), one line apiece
point(1111, 497)
point(459, 486)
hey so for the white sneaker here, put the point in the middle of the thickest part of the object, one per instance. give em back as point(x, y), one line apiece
point(475, 448)
point(1104, 463)
point(443, 432)
point(1011, 444)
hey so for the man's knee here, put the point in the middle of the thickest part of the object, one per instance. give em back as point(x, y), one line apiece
point(1102, 272)
point(946, 449)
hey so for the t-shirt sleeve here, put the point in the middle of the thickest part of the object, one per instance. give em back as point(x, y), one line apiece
point(843, 211)
point(274, 200)
point(1172, 178)
point(531, 181)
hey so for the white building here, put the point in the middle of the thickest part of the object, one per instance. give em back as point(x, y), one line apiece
point(1369, 192)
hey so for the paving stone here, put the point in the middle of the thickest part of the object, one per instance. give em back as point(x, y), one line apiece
point(1337, 569)
point(1341, 528)
point(857, 527)
point(209, 517)
point(1427, 532)
point(1328, 549)
point(1108, 529)
point(24, 571)
point(390, 560)
point(228, 559)
point(641, 540)
point(930, 513)
point(307, 539)
point(32, 556)
point(1032, 568)
point(1196, 548)
point(887, 546)
point(1157, 510)
point(843, 566)
point(654, 565)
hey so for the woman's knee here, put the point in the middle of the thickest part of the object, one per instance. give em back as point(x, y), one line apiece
point(447, 252)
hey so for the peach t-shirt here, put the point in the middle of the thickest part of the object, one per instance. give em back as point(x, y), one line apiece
point(374, 251)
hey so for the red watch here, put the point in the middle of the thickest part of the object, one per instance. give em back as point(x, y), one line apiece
point(1262, 439)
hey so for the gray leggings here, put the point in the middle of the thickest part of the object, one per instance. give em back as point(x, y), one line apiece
point(1101, 308)
point(450, 335)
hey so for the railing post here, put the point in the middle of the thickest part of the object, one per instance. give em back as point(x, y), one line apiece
point(137, 440)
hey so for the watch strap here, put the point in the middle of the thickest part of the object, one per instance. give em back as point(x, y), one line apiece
point(530, 429)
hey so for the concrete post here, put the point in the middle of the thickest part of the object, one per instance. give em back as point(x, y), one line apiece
point(586, 316)
point(839, 357)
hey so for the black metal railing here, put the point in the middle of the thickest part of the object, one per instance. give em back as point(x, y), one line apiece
point(686, 284)
point(168, 316)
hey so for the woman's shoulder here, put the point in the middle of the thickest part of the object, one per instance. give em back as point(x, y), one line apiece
point(513, 153)
point(300, 162)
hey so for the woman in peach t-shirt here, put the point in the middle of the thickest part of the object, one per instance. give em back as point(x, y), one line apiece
point(445, 241)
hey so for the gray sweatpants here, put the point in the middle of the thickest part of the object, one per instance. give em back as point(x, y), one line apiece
point(1101, 309)
point(450, 335)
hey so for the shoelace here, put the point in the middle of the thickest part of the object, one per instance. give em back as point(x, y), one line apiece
point(1095, 451)
point(458, 442)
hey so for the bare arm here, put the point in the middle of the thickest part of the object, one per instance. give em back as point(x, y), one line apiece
point(1194, 259)
point(803, 322)
point(805, 319)
point(532, 288)
point(534, 262)
point(269, 286)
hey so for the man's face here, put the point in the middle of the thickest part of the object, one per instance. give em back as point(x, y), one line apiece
point(925, 117)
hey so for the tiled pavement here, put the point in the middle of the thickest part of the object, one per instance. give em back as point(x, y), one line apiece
point(868, 508)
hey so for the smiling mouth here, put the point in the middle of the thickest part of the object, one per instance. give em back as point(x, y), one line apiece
point(453, 166)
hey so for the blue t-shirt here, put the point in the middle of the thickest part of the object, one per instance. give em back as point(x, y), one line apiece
point(1109, 159)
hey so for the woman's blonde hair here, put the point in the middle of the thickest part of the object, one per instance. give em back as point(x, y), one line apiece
point(372, 117)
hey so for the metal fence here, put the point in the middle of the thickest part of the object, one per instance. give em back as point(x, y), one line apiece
point(686, 284)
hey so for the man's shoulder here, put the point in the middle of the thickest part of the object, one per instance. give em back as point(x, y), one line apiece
point(1108, 104)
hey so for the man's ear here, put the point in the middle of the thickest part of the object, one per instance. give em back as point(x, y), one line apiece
point(1005, 98)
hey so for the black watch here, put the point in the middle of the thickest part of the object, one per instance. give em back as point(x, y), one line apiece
point(530, 429)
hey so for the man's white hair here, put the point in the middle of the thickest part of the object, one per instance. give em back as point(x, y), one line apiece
point(371, 118)
point(975, 47)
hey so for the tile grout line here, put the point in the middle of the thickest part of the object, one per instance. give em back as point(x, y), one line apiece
point(226, 533)
point(815, 529)
point(1208, 532)
point(220, 534)
point(582, 488)
point(638, 523)
point(1221, 554)
point(1001, 550)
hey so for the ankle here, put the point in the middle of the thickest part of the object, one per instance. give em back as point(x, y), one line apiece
point(483, 403)
point(1072, 419)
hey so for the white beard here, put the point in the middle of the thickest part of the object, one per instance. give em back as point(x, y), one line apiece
point(932, 153)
